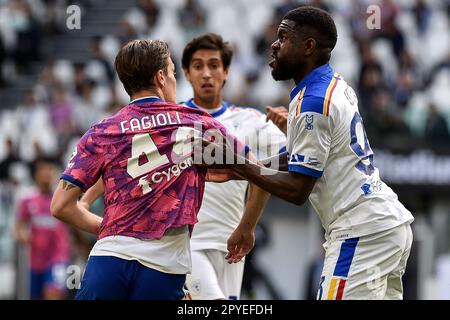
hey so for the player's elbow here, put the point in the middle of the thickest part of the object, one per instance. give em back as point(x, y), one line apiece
point(298, 197)
point(57, 207)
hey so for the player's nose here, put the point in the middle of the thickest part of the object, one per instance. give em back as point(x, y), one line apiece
point(275, 45)
point(206, 73)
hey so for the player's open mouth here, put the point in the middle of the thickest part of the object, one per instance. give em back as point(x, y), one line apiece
point(207, 86)
point(272, 61)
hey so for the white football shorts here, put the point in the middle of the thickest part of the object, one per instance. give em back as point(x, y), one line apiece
point(213, 278)
point(369, 267)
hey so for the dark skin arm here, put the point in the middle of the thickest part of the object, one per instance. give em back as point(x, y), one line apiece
point(290, 186)
point(278, 162)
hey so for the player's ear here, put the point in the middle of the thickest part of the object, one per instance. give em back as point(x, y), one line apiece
point(186, 74)
point(310, 46)
point(226, 73)
point(159, 78)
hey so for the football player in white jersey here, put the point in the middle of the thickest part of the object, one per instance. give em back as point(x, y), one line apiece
point(206, 61)
point(329, 160)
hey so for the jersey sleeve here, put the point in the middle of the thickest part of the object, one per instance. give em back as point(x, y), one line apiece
point(311, 140)
point(86, 162)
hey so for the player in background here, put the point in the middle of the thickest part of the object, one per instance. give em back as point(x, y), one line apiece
point(47, 238)
point(152, 189)
point(206, 61)
point(329, 159)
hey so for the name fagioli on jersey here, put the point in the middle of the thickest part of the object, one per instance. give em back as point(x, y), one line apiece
point(150, 121)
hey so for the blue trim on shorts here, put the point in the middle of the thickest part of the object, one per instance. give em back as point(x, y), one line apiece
point(344, 262)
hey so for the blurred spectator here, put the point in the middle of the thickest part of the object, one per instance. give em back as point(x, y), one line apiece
point(422, 15)
point(389, 29)
point(358, 19)
point(264, 41)
point(127, 32)
point(28, 35)
point(61, 113)
point(99, 57)
point(384, 116)
point(10, 158)
point(151, 11)
point(86, 110)
point(436, 129)
point(370, 78)
point(34, 129)
point(3, 83)
point(192, 18)
point(47, 237)
point(283, 8)
point(407, 79)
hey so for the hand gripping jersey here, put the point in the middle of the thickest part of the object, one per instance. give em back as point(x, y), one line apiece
point(223, 203)
point(144, 156)
point(327, 140)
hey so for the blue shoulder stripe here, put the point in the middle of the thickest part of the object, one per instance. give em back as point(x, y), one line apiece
point(316, 94)
point(312, 104)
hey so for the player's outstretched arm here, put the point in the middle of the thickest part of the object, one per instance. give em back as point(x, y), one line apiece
point(65, 207)
point(92, 194)
point(278, 162)
point(290, 186)
point(242, 240)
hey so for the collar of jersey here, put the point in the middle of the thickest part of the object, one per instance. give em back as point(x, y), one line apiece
point(316, 73)
point(191, 104)
point(146, 100)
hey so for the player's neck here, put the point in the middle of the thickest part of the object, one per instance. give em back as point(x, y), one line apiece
point(208, 104)
point(301, 74)
point(146, 93)
point(45, 190)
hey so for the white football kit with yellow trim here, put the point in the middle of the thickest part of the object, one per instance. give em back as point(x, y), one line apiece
point(366, 227)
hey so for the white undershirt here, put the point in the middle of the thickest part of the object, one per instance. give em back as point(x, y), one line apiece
point(169, 254)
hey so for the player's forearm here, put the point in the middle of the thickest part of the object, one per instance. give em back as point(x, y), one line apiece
point(257, 200)
point(81, 218)
point(65, 207)
point(278, 162)
point(285, 185)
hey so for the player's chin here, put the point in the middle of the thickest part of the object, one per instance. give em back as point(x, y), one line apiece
point(278, 75)
point(207, 92)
